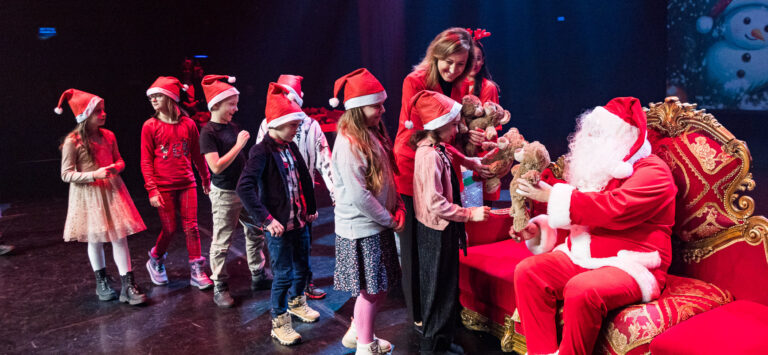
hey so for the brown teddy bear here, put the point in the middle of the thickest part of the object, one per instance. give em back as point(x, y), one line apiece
point(484, 116)
point(533, 158)
point(501, 157)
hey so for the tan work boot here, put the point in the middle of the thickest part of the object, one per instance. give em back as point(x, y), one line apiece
point(282, 330)
point(350, 339)
point(299, 308)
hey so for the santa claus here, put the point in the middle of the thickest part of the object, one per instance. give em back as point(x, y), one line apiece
point(617, 210)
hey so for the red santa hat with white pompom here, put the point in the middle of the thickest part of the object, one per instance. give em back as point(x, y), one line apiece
point(216, 90)
point(361, 88)
point(168, 86)
point(292, 83)
point(704, 23)
point(81, 103)
point(433, 108)
point(280, 109)
point(629, 111)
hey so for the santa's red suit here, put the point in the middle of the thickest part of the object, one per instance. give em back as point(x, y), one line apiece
point(617, 250)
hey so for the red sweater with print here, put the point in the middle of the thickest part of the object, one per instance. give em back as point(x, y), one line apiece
point(168, 151)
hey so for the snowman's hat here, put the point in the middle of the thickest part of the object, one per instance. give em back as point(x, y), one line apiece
point(704, 23)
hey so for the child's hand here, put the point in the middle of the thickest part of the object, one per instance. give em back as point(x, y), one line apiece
point(112, 169)
point(399, 221)
point(243, 138)
point(101, 173)
point(157, 201)
point(479, 214)
point(311, 218)
point(477, 137)
point(275, 228)
point(207, 188)
point(529, 232)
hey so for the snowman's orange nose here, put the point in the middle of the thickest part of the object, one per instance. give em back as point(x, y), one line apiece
point(758, 34)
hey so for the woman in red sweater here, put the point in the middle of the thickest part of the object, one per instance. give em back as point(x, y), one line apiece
point(446, 64)
point(169, 147)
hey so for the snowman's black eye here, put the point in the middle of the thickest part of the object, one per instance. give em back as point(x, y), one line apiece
point(747, 20)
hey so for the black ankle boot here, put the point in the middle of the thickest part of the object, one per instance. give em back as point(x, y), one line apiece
point(130, 292)
point(103, 290)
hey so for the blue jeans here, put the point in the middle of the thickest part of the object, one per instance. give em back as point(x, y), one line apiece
point(289, 258)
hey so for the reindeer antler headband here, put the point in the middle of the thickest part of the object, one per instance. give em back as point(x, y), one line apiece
point(479, 33)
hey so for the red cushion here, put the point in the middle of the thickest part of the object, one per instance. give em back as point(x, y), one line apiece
point(740, 327)
point(486, 277)
point(629, 330)
point(495, 229)
point(703, 172)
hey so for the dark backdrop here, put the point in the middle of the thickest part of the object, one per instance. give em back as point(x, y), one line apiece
point(548, 70)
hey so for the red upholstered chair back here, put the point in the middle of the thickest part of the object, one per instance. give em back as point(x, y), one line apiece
point(716, 238)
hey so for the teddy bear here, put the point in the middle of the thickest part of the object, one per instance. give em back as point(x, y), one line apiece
point(533, 158)
point(485, 116)
point(501, 156)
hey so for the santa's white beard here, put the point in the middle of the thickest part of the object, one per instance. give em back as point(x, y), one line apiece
point(598, 146)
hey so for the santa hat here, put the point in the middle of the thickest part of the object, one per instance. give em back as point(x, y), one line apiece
point(629, 111)
point(361, 88)
point(704, 23)
point(281, 110)
point(81, 103)
point(292, 83)
point(433, 108)
point(168, 86)
point(216, 90)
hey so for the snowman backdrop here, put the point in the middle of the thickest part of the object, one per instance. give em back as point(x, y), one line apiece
point(718, 53)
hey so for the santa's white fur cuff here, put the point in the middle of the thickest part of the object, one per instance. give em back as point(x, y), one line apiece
point(559, 206)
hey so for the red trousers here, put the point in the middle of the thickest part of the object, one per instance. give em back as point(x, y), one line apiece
point(588, 295)
point(186, 201)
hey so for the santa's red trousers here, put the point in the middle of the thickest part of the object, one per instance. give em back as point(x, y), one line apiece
point(588, 295)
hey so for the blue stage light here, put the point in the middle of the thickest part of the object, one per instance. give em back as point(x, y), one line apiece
point(46, 32)
point(561, 19)
point(201, 56)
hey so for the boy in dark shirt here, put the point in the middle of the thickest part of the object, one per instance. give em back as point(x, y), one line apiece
point(221, 142)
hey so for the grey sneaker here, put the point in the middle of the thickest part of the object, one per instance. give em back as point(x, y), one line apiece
point(197, 276)
point(221, 295)
point(156, 268)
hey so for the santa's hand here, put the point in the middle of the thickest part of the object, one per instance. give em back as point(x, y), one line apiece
point(538, 193)
point(529, 232)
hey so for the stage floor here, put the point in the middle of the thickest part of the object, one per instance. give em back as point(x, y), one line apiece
point(49, 305)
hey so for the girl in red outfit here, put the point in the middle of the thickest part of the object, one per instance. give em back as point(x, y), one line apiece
point(169, 147)
point(445, 65)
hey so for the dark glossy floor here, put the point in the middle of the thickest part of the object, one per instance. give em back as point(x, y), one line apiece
point(49, 306)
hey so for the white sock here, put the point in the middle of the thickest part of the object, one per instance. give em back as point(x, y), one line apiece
point(122, 255)
point(96, 255)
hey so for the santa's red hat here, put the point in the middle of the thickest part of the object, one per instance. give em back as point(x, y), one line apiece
point(81, 103)
point(629, 111)
point(281, 110)
point(361, 88)
point(216, 90)
point(292, 83)
point(704, 23)
point(433, 109)
point(168, 86)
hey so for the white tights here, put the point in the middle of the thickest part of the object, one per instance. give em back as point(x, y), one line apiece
point(119, 251)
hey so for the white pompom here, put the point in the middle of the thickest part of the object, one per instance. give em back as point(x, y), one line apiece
point(334, 102)
point(622, 171)
point(704, 24)
point(58, 110)
point(185, 87)
point(408, 124)
point(231, 79)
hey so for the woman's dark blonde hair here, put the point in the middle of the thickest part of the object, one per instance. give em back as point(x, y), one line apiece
point(352, 125)
point(445, 44)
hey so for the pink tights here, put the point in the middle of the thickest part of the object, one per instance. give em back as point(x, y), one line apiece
point(365, 315)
